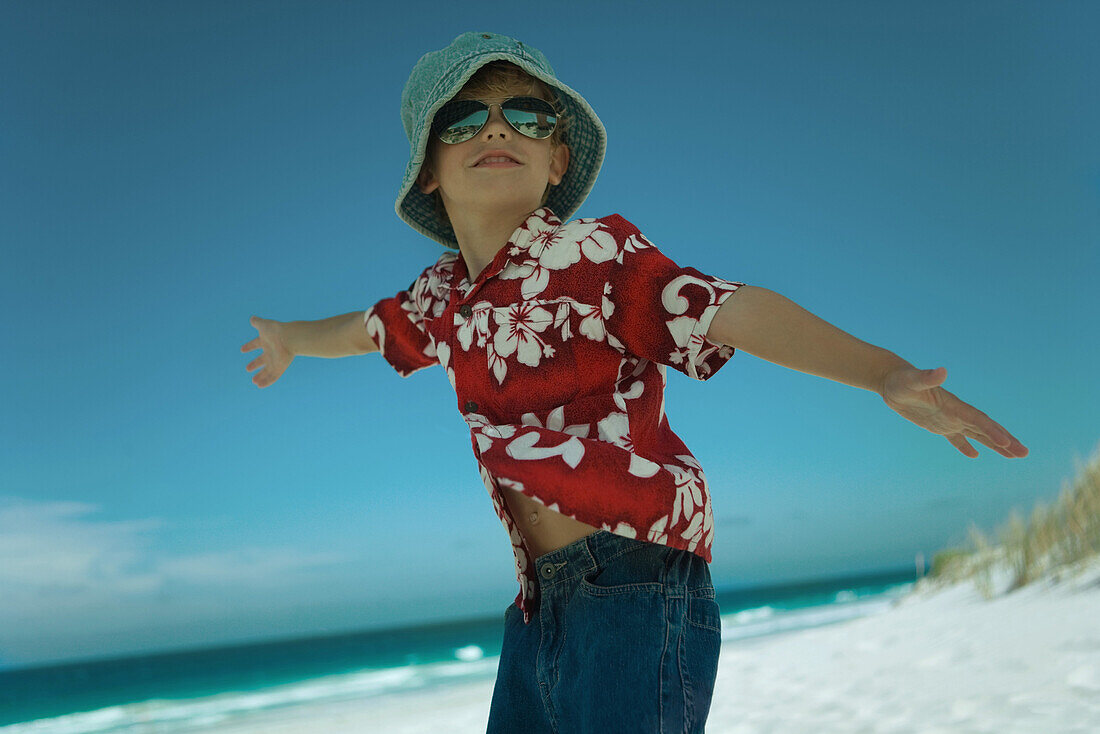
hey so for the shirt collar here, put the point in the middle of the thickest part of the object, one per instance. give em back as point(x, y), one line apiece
point(541, 222)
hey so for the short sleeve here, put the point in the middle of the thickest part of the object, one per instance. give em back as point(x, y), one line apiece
point(660, 311)
point(399, 327)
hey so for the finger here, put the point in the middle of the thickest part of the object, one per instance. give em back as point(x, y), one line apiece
point(962, 445)
point(986, 440)
point(1013, 450)
point(1000, 437)
point(1004, 438)
point(982, 425)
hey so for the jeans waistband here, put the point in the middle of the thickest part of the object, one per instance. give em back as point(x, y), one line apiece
point(582, 556)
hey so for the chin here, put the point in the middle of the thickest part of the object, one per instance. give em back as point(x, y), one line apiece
point(508, 201)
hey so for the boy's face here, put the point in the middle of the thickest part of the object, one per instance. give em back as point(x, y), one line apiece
point(483, 188)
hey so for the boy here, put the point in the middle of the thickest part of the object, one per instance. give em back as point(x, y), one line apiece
point(556, 335)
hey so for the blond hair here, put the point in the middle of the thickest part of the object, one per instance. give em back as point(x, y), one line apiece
point(502, 79)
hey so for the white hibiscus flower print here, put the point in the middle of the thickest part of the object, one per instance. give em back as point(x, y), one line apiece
point(376, 330)
point(615, 429)
point(523, 448)
point(518, 329)
point(628, 531)
point(561, 318)
point(477, 325)
point(598, 245)
point(658, 532)
point(415, 313)
point(443, 353)
point(554, 249)
point(607, 308)
point(439, 305)
point(690, 487)
point(682, 328)
point(591, 325)
point(535, 278)
point(497, 364)
point(484, 431)
point(558, 249)
point(642, 467)
point(555, 421)
point(633, 243)
point(510, 483)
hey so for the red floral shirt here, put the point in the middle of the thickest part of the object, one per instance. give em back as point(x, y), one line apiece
point(557, 353)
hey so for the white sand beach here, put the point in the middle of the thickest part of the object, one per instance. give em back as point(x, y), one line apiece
point(939, 662)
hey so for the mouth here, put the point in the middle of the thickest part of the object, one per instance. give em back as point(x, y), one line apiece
point(496, 159)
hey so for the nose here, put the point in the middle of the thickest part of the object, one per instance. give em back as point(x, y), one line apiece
point(496, 124)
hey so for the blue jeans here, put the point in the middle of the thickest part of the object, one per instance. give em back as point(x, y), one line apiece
point(624, 638)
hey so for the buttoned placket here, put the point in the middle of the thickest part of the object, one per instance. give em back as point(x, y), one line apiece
point(461, 304)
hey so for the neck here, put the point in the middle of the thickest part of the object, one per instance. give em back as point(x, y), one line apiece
point(481, 233)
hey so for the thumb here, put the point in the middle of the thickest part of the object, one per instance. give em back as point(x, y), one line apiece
point(934, 376)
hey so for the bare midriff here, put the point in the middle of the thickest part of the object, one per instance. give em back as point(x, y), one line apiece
point(544, 529)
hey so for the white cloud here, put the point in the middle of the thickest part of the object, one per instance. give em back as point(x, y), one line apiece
point(50, 550)
point(73, 585)
point(245, 565)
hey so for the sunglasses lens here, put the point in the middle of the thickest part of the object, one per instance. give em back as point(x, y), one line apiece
point(531, 116)
point(459, 120)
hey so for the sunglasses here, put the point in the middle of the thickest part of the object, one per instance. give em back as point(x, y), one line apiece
point(459, 120)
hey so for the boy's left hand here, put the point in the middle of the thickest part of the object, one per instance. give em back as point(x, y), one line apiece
point(915, 394)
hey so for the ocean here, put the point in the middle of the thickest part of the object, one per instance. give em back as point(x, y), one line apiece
point(195, 690)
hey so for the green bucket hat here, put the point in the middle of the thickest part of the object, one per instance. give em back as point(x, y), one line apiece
point(439, 75)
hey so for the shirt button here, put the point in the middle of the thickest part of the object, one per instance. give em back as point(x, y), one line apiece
point(465, 310)
point(471, 406)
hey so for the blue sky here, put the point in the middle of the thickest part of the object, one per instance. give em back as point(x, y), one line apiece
point(925, 177)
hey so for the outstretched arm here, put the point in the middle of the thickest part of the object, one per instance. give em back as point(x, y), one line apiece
point(772, 327)
point(282, 341)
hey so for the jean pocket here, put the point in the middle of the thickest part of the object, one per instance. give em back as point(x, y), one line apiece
point(639, 570)
point(703, 610)
point(702, 650)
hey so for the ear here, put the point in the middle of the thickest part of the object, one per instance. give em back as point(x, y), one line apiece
point(426, 180)
point(559, 164)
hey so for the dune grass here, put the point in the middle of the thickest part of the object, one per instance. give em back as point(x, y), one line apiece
point(1056, 539)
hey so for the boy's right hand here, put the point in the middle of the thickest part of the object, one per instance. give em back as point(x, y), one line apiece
point(276, 355)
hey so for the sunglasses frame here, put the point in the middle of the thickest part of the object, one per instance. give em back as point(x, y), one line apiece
point(489, 108)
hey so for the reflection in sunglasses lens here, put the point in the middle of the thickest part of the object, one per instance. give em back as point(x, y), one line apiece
point(458, 121)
